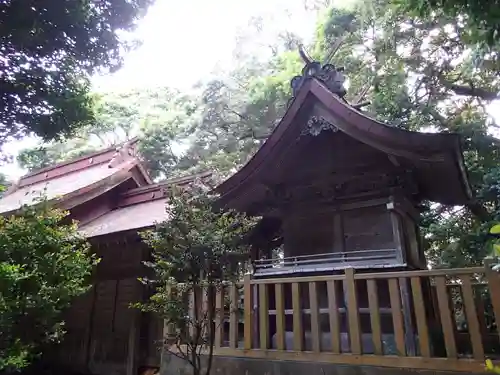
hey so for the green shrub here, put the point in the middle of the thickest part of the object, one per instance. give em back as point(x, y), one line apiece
point(44, 264)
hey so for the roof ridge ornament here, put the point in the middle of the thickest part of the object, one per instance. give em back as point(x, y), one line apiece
point(330, 75)
point(123, 153)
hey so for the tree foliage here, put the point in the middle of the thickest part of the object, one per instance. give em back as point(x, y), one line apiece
point(194, 252)
point(48, 51)
point(481, 19)
point(158, 117)
point(44, 264)
point(3, 184)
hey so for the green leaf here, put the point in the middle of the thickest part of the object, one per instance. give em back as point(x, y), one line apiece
point(495, 229)
point(39, 278)
point(496, 249)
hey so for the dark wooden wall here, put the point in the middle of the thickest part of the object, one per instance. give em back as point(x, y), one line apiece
point(104, 333)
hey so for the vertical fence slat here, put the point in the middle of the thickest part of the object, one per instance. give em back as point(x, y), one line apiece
point(247, 313)
point(233, 316)
point(333, 315)
point(452, 290)
point(472, 321)
point(313, 305)
point(280, 316)
point(407, 317)
point(352, 311)
point(493, 278)
point(192, 312)
point(420, 316)
point(481, 314)
point(206, 316)
point(168, 328)
point(219, 316)
point(446, 318)
point(263, 317)
point(397, 316)
point(374, 316)
point(298, 333)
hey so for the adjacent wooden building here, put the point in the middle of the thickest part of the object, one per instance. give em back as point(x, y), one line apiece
point(113, 198)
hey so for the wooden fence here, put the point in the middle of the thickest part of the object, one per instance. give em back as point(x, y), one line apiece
point(429, 319)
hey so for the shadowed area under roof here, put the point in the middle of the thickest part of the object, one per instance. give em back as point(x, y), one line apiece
point(137, 216)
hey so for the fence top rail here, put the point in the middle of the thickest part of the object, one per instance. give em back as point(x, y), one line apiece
point(420, 273)
point(297, 279)
point(325, 255)
point(373, 275)
point(238, 284)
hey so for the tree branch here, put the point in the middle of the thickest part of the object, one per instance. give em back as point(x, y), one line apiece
point(470, 90)
point(180, 354)
point(479, 210)
point(335, 47)
point(242, 117)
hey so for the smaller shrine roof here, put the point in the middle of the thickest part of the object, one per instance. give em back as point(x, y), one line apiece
point(137, 216)
point(102, 170)
point(56, 187)
point(138, 208)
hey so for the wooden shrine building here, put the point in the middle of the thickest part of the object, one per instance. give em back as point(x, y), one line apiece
point(342, 189)
point(112, 197)
point(339, 273)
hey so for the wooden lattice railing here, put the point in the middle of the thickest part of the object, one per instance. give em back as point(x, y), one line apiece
point(429, 319)
point(328, 262)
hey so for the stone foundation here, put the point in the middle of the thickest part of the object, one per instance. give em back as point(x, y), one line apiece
point(249, 366)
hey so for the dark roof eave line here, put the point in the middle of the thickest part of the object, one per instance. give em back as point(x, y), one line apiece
point(83, 157)
point(166, 183)
point(124, 232)
point(271, 143)
point(405, 138)
point(96, 190)
point(433, 143)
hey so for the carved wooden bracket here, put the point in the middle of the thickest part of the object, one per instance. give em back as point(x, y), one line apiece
point(316, 124)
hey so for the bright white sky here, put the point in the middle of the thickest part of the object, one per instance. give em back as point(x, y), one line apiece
point(185, 41)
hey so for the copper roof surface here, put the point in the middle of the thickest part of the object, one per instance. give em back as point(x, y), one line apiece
point(60, 186)
point(137, 216)
point(137, 208)
point(434, 157)
point(87, 178)
point(73, 182)
point(81, 162)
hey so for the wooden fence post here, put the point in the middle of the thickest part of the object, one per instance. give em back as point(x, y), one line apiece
point(352, 311)
point(248, 313)
point(493, 279)
point(233, 316)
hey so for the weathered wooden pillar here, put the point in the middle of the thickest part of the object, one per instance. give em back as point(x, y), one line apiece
point(248, 313)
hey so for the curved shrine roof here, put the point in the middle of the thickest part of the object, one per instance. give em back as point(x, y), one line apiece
point(63, 186)
point(435, 158)
point(83, 177)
